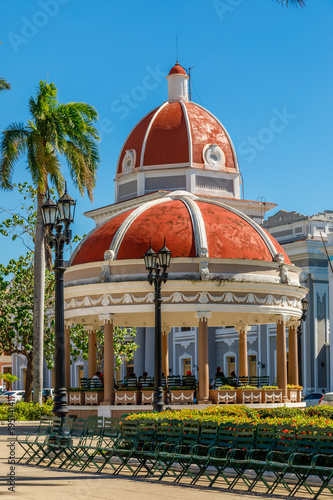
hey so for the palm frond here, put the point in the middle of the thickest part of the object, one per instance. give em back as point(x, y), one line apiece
point(293, 3)
point(4, 85)
point(12, 146)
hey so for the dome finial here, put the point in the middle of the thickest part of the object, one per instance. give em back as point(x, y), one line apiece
point(177, 83)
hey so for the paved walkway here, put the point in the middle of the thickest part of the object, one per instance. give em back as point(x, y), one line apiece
point(50, 484)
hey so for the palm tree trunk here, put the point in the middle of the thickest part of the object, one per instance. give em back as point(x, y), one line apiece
point(39, 293)
point(28, 379)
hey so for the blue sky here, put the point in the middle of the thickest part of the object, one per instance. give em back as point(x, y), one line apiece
point(265, 71)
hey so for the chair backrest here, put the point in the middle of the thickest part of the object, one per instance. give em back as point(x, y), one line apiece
point(208, 433)
point(130, 382)
point(84, 383)
point(243, 380)
point(173, 432)
point(79, 428)
point(44, 425)
point(56, 425)
point(307, 439)
point(111, 427)
point(263, 380)
point(189, 381)
point(285, 437)
point(226, 435)
point(129, 429)
point(94, 426)
point(161, 429)
point(146, 430)
point(145, 381)
point(191, 431)
point(95, 383)
point(254, 381)
point(174, 381)
point(245, 436)
point(265, 437)
point(325, 440)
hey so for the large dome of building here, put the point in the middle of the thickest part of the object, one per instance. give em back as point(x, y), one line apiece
point(178, 145)
point(191, 226)
point(179, 133)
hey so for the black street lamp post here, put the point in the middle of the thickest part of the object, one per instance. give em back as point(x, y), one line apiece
point(157, 266)
point(58, 217)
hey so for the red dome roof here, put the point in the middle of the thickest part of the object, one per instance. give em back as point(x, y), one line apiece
point(192, 227)
point(175, 134)
point(177, 69)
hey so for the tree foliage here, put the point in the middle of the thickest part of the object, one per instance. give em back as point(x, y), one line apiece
point(16, 313)
point(123, 343)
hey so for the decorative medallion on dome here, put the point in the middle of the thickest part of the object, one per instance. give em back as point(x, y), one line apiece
point(129, 160)
point(213, 156)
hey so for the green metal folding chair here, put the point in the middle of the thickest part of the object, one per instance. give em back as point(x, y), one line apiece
point(197, 454)
point(305, 445)
point(236, 457)
point(121, 448)
point(216, 455)
point(109, 435)
point(164, 449)
point(180, 455)
point(40, 445)
point(322, 461)
point(284, 445)
point(27, 441)
point(256, 457)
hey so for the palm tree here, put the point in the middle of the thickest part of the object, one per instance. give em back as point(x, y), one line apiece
point(54, 129)
point(4, 85)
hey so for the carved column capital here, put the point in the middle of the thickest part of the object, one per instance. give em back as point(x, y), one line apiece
point(106, 318)
point(203, 315)
point(282, 319)
point(242, 328)
point(293, 324)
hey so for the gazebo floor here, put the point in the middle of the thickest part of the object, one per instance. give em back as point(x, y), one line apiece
point(119, 410)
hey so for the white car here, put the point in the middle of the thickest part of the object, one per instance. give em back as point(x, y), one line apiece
point(11, 397)
point(327, 399)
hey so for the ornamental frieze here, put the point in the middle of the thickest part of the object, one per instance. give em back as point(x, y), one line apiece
point(179, 297)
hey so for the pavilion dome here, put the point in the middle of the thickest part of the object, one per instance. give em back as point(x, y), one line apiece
point(191, 226)
point(178, 134)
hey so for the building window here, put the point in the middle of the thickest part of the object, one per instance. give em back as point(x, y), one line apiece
point(231, 365)
point(252, 366)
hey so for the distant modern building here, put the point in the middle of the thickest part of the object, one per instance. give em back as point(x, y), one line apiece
point(302, 237)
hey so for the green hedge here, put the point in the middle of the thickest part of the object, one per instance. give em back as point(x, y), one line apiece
point(26, 411)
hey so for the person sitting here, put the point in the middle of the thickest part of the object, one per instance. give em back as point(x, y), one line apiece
point(219, 373)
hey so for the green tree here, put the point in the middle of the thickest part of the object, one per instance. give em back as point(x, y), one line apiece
point(4, 85)
point(16, 313)
point(54, 130)
point(123, 343)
